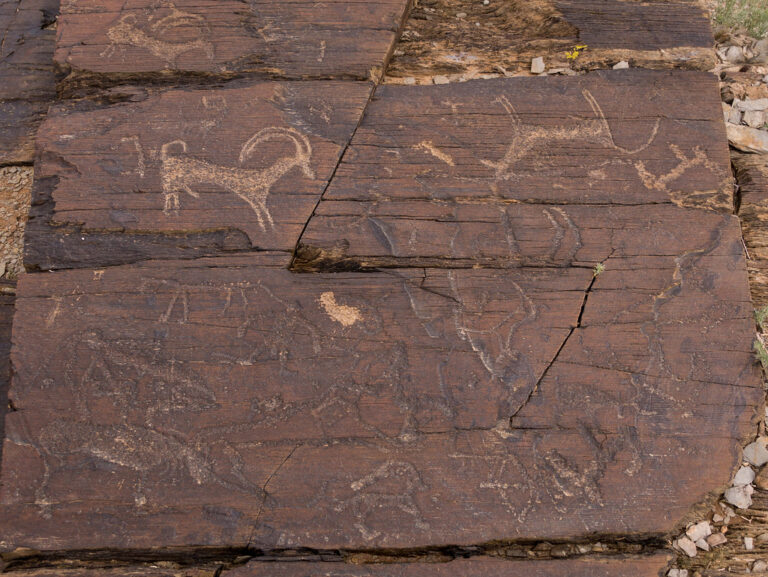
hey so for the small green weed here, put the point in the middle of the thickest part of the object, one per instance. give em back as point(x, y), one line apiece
point(598, 270)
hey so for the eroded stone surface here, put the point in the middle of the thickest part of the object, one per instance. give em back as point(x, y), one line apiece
point(26, 73)
point(478, 566)
point(207, 170)
point(459, 39)
point(457, 406)
point(294, 39)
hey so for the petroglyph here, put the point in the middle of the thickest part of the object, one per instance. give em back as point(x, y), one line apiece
point(428, 147)
point(662, 183)
point(181, 173)
point(145, 390)
point(343, 314)
point(391, 487)
point(140, 160)
point(529, 140)
point(127, 32)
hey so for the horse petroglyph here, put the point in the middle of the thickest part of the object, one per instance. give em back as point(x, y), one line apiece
point(127, 32)
point(180, 173)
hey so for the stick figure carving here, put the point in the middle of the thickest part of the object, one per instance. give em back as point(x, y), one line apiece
point(180, 173)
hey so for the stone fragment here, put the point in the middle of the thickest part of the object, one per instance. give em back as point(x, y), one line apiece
point(698, 531)
point(761, 479)
point(702, 544)
point(716, 539)
point(749, 543)
point(740, 496)
point(440, 80)
point(757, 452)
point(749, 140)
point(762, 538)
point(685, 545)
point(675, 572)
point(734, 54)
point(759, 566)
point(744, 476)
point(754, 118)
point(537, 65)
point(757, 104)
point(621, 65)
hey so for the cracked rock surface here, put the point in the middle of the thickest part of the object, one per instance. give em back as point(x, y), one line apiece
point(277, 311)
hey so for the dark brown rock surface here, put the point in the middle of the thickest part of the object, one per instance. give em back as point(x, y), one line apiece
point(295, 39)
point(26, 74)
point(475, 567)
point(499, 312)
point(188, 171)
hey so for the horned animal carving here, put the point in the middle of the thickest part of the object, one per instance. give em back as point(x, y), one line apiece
point(180, 173)
point(127, 32)
point(528, 140)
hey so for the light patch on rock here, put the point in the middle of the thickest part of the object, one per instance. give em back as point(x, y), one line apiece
point(744, 476)
point(342, 314)
point(740, 497)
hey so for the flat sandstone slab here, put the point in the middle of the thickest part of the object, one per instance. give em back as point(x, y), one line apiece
point(27, 84)
point(229, 401)
point(295, 38)
point(240, 167)
point(649, 566)
point(612, 137)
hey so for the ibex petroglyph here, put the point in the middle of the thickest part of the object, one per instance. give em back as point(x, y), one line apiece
point(127, 32)
point(179, 173)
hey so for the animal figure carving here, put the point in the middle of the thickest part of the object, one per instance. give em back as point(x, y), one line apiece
point(180, 173)
point(127, 32)
point(529, 140)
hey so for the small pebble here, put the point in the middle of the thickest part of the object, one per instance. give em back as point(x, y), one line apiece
point(759, 566)
point(740, 497)
point(716, 539)
point(749, 543)
point(754, 118)
point(537, 67)
point(486, 2)
point(734, 54)
point(762, 537)
point(744, 476)
point(461, 14)
point(621, 65)
point(409, 80)
point(698, 531)
point(440, 79)
point(677, 573)
point(685, 545)
point(757, 453)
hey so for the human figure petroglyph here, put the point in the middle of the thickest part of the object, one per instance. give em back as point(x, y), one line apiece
point(181, 173)
point(127, 32)
point(528, 140)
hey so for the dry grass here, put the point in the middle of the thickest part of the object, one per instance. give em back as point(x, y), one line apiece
point(748, 15)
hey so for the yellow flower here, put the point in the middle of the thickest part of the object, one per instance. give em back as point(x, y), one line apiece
point(572, 55)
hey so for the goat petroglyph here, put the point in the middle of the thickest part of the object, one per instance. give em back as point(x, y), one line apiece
point(181, 173)
point(128, 32)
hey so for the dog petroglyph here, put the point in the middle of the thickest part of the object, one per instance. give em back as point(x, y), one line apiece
point(180, 173)
point(529, 139)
